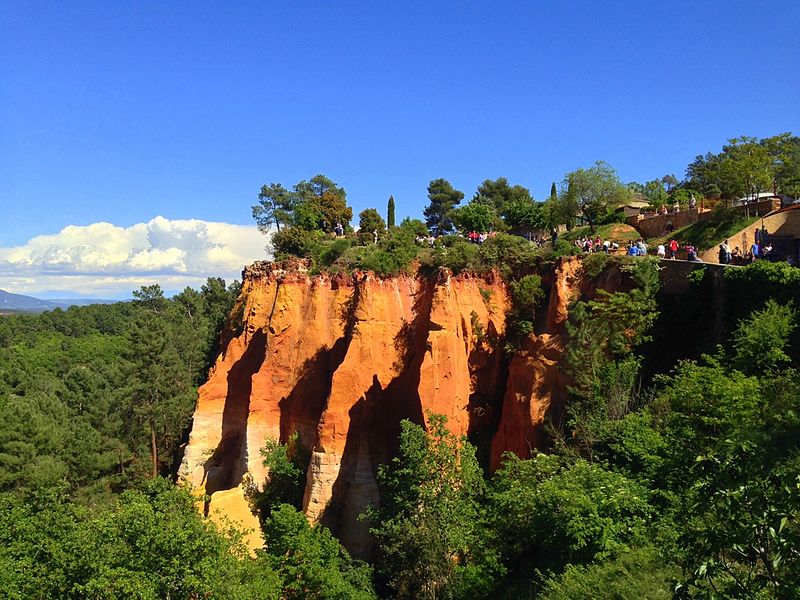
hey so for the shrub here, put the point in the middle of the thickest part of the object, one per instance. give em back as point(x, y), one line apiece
point(526, 294)
point(295, 241)
point(330, 253)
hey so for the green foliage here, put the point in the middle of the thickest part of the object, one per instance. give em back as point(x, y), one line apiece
point(709, 233)
point(286, 476)
point(748, 165)
point(559, 513)
point(595, 264)
point(753, 285)
point(301, 216)
point(458, 257)
point(498, 195)
point(700, 404)
point(413, 227)
point(640, 574)
point(510, 254)
point(370, 220)
point(760, 341)
point(390, 256)
point(525, 213)
point(477, 328)
point(275, 205)
point(475, 217)
point(322, 203)
point(526, 295)
point(603, 334)
point(150, 544)
point(591, 192)
point(296, 241)
point(84, 390)
point(333, 252)
point(390, 213)
point(655, 194)
point(565, 248)
point(311, 562)
point(429, 523)
point(443, 199)
point(742, 535)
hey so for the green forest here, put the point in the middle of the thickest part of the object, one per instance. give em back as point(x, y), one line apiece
point(673, 471)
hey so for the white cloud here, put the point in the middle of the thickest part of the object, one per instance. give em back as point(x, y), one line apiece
point(104, 260)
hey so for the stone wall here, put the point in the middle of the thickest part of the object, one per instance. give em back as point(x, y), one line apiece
point(659, 225)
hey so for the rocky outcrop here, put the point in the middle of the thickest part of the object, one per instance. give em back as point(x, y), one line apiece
point(341, 361)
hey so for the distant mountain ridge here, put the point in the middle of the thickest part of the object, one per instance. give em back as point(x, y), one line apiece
point(20, 302)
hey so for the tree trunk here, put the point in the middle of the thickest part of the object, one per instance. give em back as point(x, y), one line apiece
point(153, 449)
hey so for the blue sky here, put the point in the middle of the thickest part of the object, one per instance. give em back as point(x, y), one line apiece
point(120, 112)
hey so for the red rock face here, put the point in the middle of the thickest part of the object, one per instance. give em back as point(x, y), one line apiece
point(341, 361)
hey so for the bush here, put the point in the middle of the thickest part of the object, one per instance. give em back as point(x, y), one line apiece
point(566, 513)
point(511, 254)
point(390, 256)
point(295, 241)
point(458, 257)
point(526, 294)
point(638, 574)
point(332, 252)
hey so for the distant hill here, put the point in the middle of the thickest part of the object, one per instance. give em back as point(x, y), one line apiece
point(20, 303)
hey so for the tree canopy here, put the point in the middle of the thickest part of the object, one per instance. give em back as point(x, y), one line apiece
point(592, 192)
point(439, 212)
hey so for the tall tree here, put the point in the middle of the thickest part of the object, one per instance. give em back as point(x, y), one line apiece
point(318, 186)
point(474, 217)
point(669, 181)
point(429, 522)
point(594, 191)
point(525, 213)
point(443, 199)
point(390, 213)
point(748, 165)
point(275, 205)
point(497, 194)
point(322, 204)
point(370, 220)
point(159, 379)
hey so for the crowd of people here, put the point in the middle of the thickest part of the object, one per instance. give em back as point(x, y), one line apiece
point(757, 251)
point(587, 244)
point(638, 247)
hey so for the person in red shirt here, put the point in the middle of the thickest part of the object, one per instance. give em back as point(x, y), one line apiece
point(673, 248)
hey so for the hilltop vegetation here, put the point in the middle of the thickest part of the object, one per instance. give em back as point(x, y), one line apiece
point(313, 220)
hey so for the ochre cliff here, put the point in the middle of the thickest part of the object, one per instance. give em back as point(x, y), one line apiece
point(342, 360)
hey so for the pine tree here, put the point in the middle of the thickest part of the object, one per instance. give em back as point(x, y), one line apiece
point(390, 213)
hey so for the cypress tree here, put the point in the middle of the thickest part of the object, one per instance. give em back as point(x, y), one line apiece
point(390, 213)
point(553, 192)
